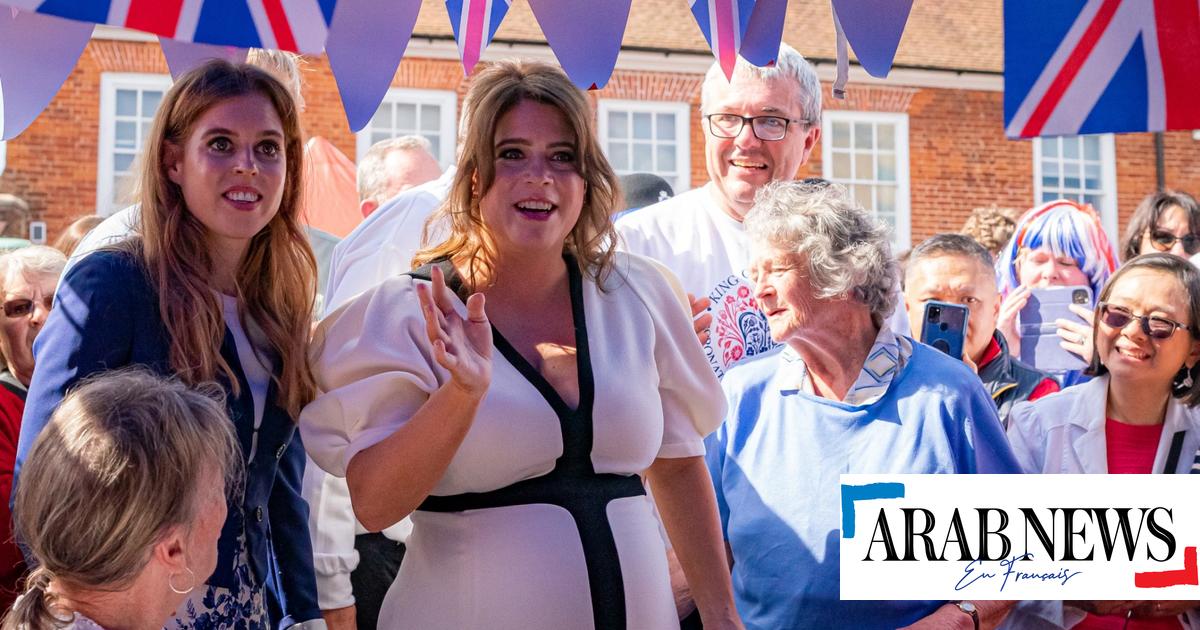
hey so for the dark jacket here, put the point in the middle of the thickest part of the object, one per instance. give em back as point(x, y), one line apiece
point(106, 316)
point(1008, 380)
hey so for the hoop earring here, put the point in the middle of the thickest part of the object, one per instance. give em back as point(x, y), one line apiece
point(191, 584)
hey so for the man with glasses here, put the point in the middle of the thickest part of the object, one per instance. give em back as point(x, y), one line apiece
point(760, 127)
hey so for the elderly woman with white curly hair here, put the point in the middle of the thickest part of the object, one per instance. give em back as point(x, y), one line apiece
point(845, 395)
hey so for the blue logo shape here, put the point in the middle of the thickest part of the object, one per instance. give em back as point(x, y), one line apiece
point(850, 494)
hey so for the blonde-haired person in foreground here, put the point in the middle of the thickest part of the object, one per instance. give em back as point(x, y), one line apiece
point(122, 503)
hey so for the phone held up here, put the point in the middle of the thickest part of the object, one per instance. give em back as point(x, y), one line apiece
point(1040, 344)
point(945, 327)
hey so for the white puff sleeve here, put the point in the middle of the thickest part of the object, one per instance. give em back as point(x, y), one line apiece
point(693, 403)
point(374, 369)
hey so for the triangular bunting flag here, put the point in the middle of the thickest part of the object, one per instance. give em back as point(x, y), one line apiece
point(363, 57)
point(760, 44)
point(584, 35)
point(183, 56)
point(36, 57)
point(475, 23)
point(723, 23)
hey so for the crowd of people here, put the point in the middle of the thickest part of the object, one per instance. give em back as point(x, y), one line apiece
point(516, 412)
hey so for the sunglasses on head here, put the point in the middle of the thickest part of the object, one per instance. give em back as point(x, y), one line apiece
point(1155, 327)
point(1164, 241)
point(23, 307)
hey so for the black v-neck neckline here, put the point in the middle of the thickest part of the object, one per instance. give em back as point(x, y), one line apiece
point(583, 363)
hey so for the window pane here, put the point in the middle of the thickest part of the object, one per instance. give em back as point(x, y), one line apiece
point(666, 157)
point(887, 137)
point(431, 116)
point(406, 118)
point(641, 127)
point(1050, 169)
point(126, 136)
point(1070, 148)
point(122, 189)
point(864, 166)
point(864, 137)
point(122, 162)
point(435, 146)
point(1049, 195)
point(618, 154)
point(643, 155)
point(1091, 176)
point(841, 165)
point(618, 125)
point(383, 117)
point(127, 102)
point(862, 194)
point(1095, 200)
point(1049, 147)
point(664, 126)
point(145, 131)
point(1091, 147)
point(1071, 174)
point(886, 163)
point(841, 135)
point(377, 136)
point(1050, 181)
point(150, 100)
point(886, 200)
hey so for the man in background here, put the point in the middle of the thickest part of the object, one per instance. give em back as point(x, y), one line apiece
point(391, 167)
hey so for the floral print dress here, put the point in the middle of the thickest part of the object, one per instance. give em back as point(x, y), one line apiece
point(212, 607)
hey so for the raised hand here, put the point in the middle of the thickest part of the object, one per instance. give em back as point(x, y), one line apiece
point(1006, 323)
point(1077, 337)
point(701, 319)
point(462, 346)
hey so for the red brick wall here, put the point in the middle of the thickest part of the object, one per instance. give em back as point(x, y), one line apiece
point(958, 155)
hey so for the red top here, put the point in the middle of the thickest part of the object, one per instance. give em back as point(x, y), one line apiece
point(1131, 448)
point(1045, 388)
point(1117, 622)
point(12, 566)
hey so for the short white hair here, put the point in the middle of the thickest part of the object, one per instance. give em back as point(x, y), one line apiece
point(790, 64)
point(848, 251)
point(372, 168)
point(35, 259)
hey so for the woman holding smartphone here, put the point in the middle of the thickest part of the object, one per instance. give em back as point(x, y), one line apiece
point(1057, 244)
point(217, 285)
point(1139, 413)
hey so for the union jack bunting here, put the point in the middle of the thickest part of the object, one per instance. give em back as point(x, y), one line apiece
point(723, 23)
point(475, 23)
point(1096, 66)
point(295, 25)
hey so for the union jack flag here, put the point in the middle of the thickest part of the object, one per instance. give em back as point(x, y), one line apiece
point(723, 23)
point(1095, 66)
point(475, 23)
point(295, 25)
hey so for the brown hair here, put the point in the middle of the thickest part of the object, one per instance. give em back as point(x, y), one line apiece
point(991, 227)
point(122, 461)
point(79, 228)
point(493, 92)
point(276, 279)
point(1150, 211)
point(1189, 278)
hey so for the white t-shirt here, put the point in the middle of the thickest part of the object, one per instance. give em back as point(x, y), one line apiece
point(709, 252)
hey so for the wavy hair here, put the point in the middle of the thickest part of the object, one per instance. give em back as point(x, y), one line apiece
point(121, 462)
point(847, 250)
point(276, 279)
point(1067, 229)
point(494, 92)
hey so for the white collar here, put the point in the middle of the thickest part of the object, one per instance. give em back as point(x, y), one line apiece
point(886, 359)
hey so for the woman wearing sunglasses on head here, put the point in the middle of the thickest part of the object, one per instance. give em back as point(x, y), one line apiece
point(217, 284)
point(1167, 221)
point(1138, 413)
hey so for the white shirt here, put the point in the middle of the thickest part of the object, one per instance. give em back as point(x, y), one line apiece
point(111, 231)
point(382, 246)
point(254, 366)
point(710, 252)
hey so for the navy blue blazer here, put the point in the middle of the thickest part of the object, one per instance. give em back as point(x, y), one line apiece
point(106, 316)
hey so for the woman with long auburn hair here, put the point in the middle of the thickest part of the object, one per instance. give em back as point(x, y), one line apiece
point(516, 433)
point(217, 285)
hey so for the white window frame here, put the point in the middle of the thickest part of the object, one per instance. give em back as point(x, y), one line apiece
point(447, 99)
point(1108, 180)
point(683, 135)
point(110, 82)
point(3, 152)
point(902, 238)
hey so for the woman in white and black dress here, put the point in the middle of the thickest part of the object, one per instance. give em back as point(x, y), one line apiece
point(517, 430)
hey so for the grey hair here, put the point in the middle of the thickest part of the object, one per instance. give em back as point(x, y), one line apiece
point(847, 250)
point(789, 65)
point(35, 259)
point(372, 174)
point(284, 66)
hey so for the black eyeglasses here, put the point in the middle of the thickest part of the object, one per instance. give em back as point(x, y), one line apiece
point(1155, 327)
point(768, 128)
point(1164, 241)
